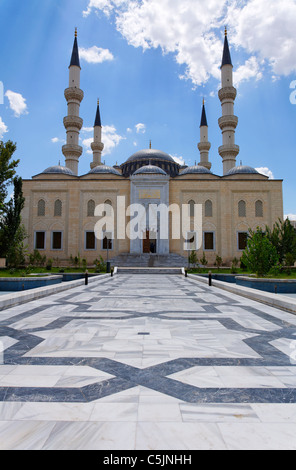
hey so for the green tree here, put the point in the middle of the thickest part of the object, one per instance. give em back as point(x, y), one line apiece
point(203, 260)
point(219, 261)
point(7, 170)
point(193, 259)
point(260, 256)
point(283, 238)
point(16, 253)
point(12, 235)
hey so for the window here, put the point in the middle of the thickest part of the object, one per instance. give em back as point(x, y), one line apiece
point(209, 240)
point(191, 241)
point(242, 212)
point(208, 209)
point(58, 208)
point(191, 208)
point(41, 208)
point(39, 240)
point(242, 240)
point(259, 209)
point(91, 208)
point(57, 240)
point(107, 242)
point(90, 241)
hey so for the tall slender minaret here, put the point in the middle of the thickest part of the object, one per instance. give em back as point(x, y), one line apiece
point(204, 145)
point(73, 123)
point(228, 122)
point(97, 146)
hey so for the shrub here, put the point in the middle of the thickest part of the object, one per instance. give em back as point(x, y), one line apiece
point(260, 256)
point(203, 260)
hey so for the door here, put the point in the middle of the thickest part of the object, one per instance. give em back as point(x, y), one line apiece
point(146, 243)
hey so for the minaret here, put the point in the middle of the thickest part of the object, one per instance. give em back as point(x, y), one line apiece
point(73, 123)
point(204, 145)
point(97, 146)
point(228, 122)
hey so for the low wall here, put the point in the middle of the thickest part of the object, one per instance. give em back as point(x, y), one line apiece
point(16, 298)
point(280, 286)
point(16, 284)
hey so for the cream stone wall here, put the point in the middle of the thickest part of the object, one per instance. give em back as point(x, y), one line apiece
point(225, 193)
point(74, 193)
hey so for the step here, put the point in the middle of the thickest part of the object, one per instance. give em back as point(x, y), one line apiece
point(172, 260)
point(145, 270)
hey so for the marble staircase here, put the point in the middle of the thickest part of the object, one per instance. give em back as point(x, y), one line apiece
point(149, 263)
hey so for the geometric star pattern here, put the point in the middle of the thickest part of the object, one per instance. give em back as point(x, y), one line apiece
point(165, 335)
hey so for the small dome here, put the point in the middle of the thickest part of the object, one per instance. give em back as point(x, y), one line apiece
point(150, 154)
point(104, 169)
point(58, 169)
point(242, 170)
point(151, 170)
point(196, 169)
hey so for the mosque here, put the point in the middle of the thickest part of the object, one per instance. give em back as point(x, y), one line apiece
point(60, 208)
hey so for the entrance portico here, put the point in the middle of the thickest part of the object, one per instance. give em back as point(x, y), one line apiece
point(149, 188)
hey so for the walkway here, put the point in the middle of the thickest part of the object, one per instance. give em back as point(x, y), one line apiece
point(147, 362)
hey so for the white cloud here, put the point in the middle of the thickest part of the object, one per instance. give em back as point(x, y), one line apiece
point(129, 130)
point(95, 55)
point(265, 171)
point(56, 140)
point(250, 69)
point(17, 103)
point(178, 159)
point(192, 31)
point(110, 139)
point(87, 129)
point(141, 128)
point(266, 28)
point(290, 216)
point(3, 128)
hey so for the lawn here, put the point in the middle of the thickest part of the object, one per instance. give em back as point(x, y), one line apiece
point(42, 270)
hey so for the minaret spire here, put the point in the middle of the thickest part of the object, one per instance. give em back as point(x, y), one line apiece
point(204, 145)
point(72, 122)
point(228, 122)
point(97, 146)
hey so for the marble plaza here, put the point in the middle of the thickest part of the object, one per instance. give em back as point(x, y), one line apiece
point(147, 362)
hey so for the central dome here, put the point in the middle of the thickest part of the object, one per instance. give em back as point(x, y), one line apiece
point(150, 154)
point(151, 157)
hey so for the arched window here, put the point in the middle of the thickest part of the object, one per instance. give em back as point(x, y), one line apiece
point(259, 209)
point(91, 208)
point(242, 211)
point(109, 208)
point(41, 208)
point(208, 209)
point(191, 208)
point(58, 208)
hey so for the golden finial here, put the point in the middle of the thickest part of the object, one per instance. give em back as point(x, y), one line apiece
point(203, 101)
point(225, 31)
point(76, 33)
point(98, 101)
point(150, 145)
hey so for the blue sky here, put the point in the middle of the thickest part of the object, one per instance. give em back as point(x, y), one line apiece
point(150, 62)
